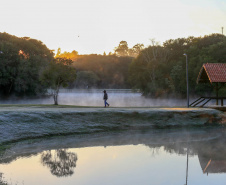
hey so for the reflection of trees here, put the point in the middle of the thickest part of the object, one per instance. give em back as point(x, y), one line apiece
point(2, 182)
point(211, 152)
point(60, 162)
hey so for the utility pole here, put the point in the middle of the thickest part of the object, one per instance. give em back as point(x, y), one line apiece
point(187, 78)
point(222, 30)
point(187, 168)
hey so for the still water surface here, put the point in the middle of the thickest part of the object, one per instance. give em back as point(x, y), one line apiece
point(94, 97)
point(195, 163)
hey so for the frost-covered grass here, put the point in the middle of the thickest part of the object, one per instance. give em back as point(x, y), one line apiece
point(42, 106)
point(21, 122)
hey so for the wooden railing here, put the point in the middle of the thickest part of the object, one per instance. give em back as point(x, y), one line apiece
point(204, 100)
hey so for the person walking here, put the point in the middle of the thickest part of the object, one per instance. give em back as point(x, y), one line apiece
point(105, 99)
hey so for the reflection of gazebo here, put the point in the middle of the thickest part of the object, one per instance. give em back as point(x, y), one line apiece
point(212, 156)
point(212, 166)
point(214, 73)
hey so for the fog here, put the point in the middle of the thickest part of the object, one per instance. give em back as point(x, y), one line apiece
point(94, 97)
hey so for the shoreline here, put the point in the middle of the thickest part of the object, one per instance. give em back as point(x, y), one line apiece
point(149, 138)
point(22, 122)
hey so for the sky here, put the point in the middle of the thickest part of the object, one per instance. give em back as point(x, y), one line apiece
point(97, 26)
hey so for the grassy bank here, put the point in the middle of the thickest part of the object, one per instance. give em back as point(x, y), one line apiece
point(21, 122)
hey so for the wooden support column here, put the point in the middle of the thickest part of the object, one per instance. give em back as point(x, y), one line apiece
point(217, 93)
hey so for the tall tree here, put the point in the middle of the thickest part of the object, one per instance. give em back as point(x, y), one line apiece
point(22, 60)
point(160, 70)
point(122, 49)
point(135, 50)
point(58, 74)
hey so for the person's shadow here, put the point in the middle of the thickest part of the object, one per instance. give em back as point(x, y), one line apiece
point(60, 162)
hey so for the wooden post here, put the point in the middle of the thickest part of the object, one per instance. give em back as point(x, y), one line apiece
point(217, 93)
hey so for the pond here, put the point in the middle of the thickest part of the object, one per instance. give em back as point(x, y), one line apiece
point(94, 97)
point(174, 157)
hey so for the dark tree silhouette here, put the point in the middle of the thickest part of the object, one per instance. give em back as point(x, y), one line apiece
point(21, 62)
point(60, 162)
point(2, 181)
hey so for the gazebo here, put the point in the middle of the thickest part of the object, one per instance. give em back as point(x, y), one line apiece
point(214, 73)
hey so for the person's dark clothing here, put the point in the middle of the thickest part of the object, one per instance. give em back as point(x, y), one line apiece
point(105, 96)
point(105, 99)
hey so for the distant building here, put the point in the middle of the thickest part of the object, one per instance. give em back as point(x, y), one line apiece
point(214, 73)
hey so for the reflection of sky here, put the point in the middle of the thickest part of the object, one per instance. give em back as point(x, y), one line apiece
point(129, 164)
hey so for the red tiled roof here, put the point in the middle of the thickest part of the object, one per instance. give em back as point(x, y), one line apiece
point(216, 72)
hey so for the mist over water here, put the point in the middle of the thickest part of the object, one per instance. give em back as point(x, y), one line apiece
point(94, 97)
point(115, 99)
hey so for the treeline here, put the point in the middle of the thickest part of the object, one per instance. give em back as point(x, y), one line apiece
point(103, 71)
point(28, 67)
point(161, 70)
point(99, 71)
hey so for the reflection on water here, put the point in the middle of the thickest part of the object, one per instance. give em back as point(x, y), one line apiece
point(192, 162)
point(213, 161)
point(2, 182)
point(60, 162)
